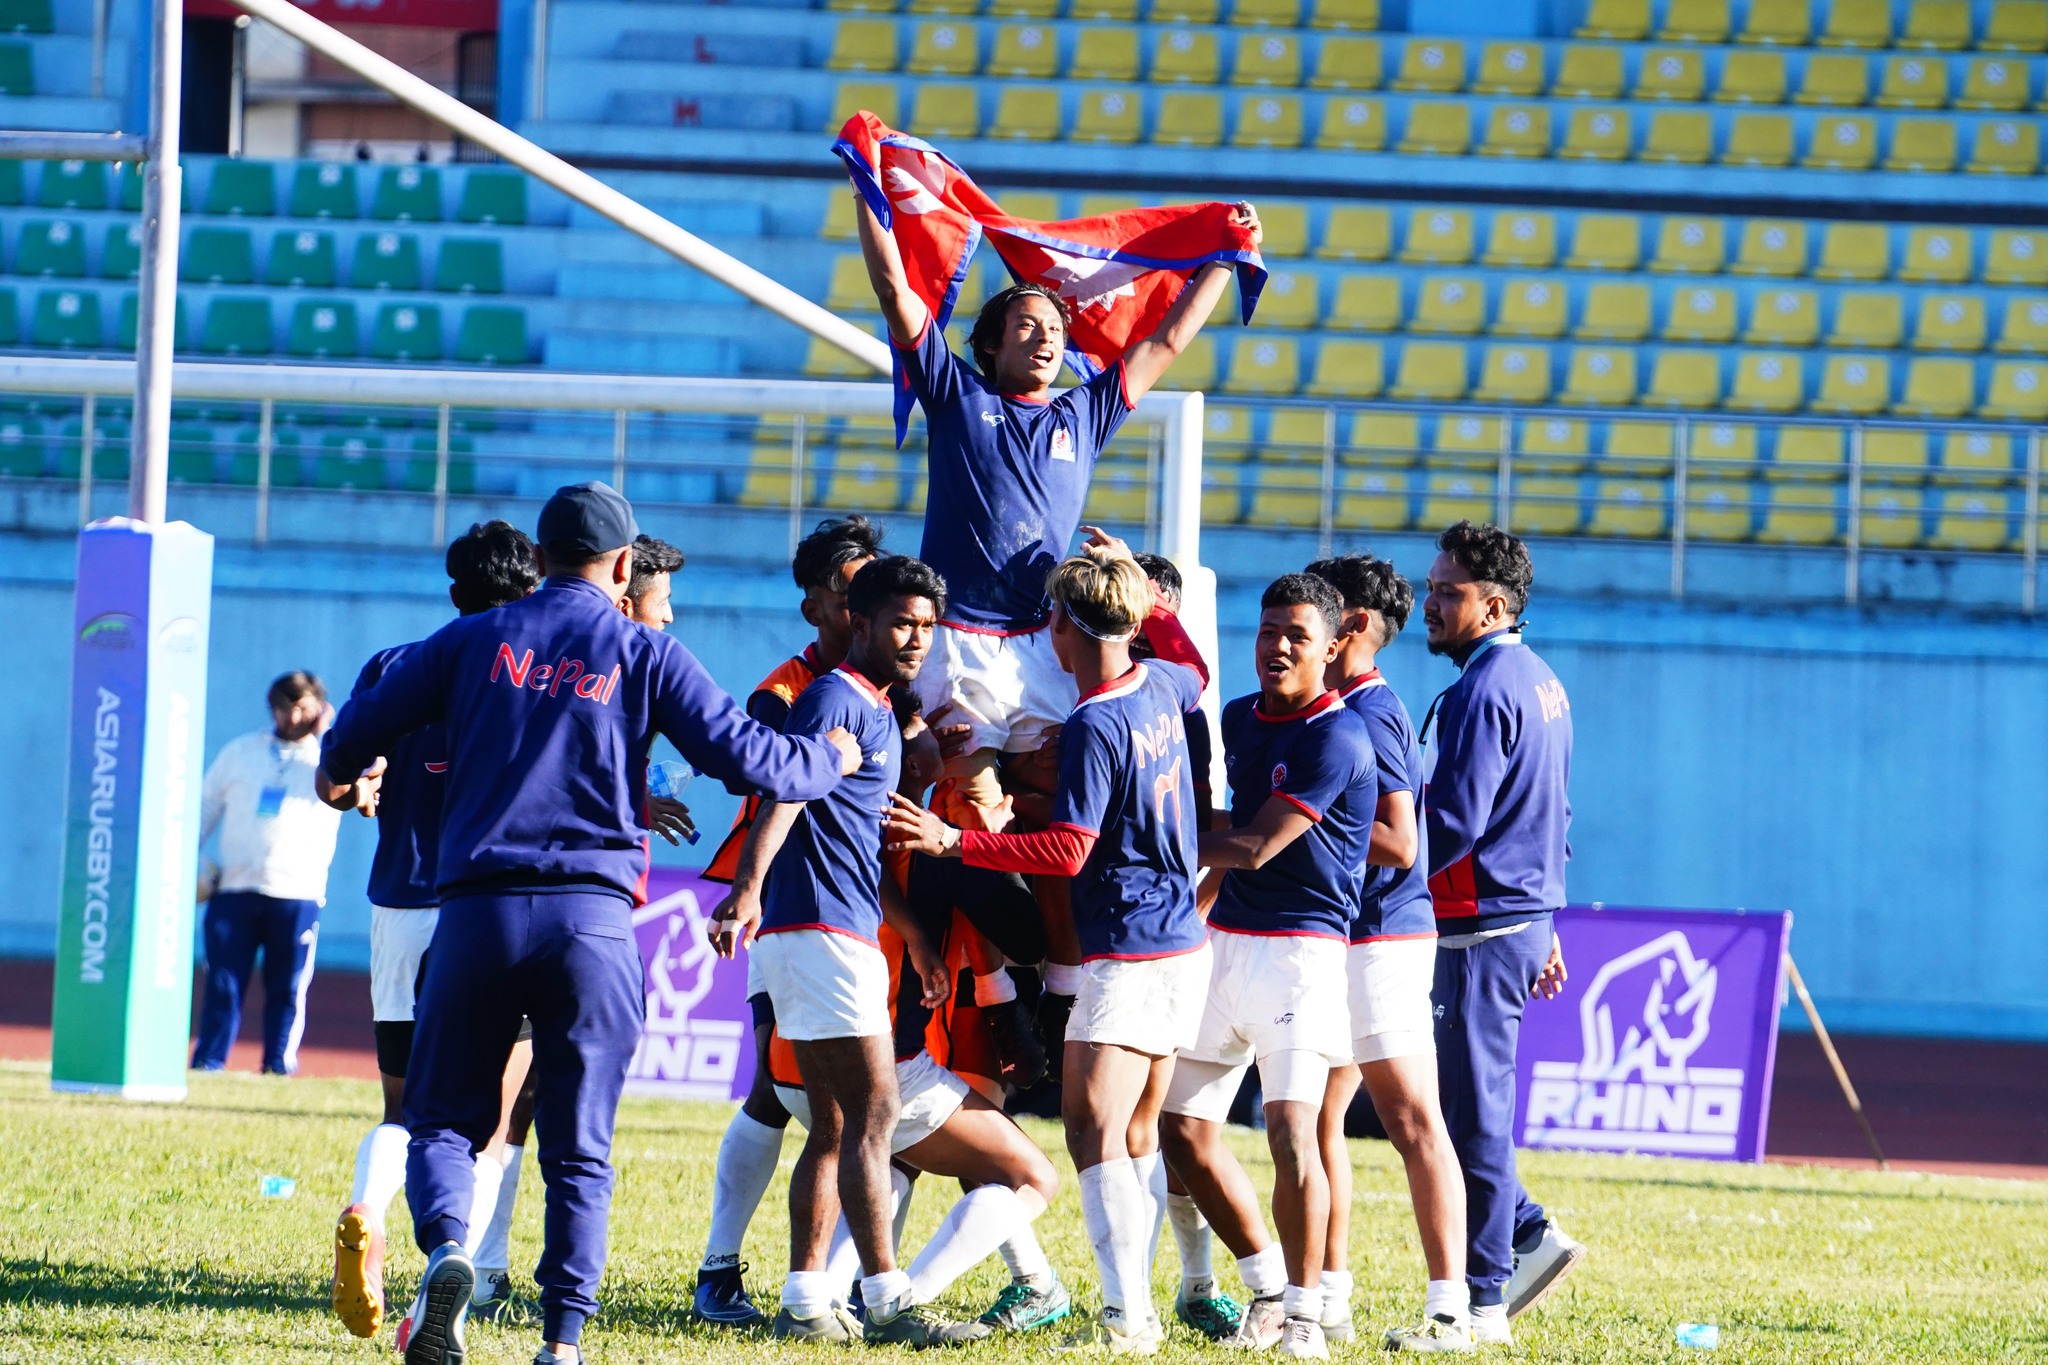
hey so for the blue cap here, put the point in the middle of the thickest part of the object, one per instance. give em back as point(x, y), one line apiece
point(593, 517)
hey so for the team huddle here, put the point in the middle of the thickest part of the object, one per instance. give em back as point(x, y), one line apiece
point(991, 764)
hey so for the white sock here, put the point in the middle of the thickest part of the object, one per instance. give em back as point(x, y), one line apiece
point(1061, 978)
point(1191, 1235)
point(747, 1157)
point(380, 1168)
point(1152, 1176)
point(808, 1293)
point(901, 1187)
point(1453, 1299)
point(1297, 1301)
point(842, 1257)
point(1336, 1296)
point(1026, 1258)
point(495, 1253)
point(886, 1294)
point(490, 1173)
point(1264, 1272)
point(994, 989)
point(984, 1219)
point(1118, 1213)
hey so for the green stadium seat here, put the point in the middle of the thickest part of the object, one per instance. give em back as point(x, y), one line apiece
point(1347, 368)
point(301, 257)
point(492, 197)
point(192, 454)
point(237, 326)
point(27, 16)
point(126, 321)
point(407, 194)
point(321, 329)
point(349, 459)
point(17, 69)
point(72, 185)
point(242, 188)
point(51, 249)
point(21, 447)
point(470, 265)
point(218, 255)
point(69, 319)
point(13, 184)
point(325, 190)
point(406, 331)
point(418, 475)
point(121, 254)
point(109, 448)
point(492, 334)
point(385, 260)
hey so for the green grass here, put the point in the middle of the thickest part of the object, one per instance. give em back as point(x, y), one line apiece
point(135, 1233)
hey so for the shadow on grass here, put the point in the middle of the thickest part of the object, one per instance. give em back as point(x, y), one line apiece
point(77, 1284)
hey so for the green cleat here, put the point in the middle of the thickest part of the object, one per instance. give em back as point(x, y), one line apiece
point(1215, 1317)
point(1023, 1307)
point(921, 1326)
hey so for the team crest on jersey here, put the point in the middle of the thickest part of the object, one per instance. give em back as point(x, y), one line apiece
point(1279, 774)
point(1062, 445)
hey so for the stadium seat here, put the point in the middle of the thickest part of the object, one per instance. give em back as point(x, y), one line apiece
point(67, 319)
point(1298, 435)
point(1195, 367)
point(878, 97)
point(1975, 519)
point(1186, 57)
point(1373, 499)
point(109, 448)
point(1289, 300)
point(1118, 493)
point(1268, 121)
point(1545, 506)
point(1521, 239)
point(322, 329)
point(1183, 11)
point(1466, 442)
point(1913, 83)
point(1554, 445)
point(1266, 13)
point(121, 254)
point(1107, 116)
point(1752, 78)
point(1842, 142)
point(1615, 312)
point(850, 290)
point(1893, 455)
point(2006, 147)
point(822, 360)
point(1366, 303)
point(1431, 372)
point(1043, 208)
point(1028, 113)
point(1345, 14)
point(1028, 50)
point(56, 249)
point(1454, 304)
point(1266, 59)
point(21, 446)
point(407, 194)
point(492, 334)
point(1438, 237)
point(866, 478)
point(1998, 84)
point(489, 197)
point(1771, 246)
point(1691, 246)
point(944, 48)
point(2017, 256)
point(1695, 21)
point(1189, 120)
point(1701, 313)
point(1606, 241)
point(325, 190)
point(1118, 11)
point(1950, 322)
point(17, 69)
point(1857, 23)
point(125, 323)
point(242, 188)
point(1670, 74)
point(1679, 138)
point(237, 326)
point(1938, 387)
point(1942, 25)
point(2024, 330)
point(1854, 385)
point(385, 260)
point(1514, 374)
point(1684, 379)
point(301, 257)
point(1517, 130)
point(1600, 377)
point(218, 255)
point(1227, 430)
point(1759, 140)
point(1639, 448)
point(1626, 21)
point(1437, 128)
point(839, 218)
point(1722, 450)
point(1597, 135)
point(27, 16)
point(1977, 459)
point(1854, 251)
point(1637, 509)
point(1384, 439)
point(2016, 26)
point(1767, 381)
point(191, 453)
point(865, 45)
point(1285, 495)
point(1457, 496)
point(1353, 125)
point(1832, 80)
point(1346, 368)
point(1358, 232)
point(1431, 66)
point(1531, 308)
point(1922, 144)
point(2018, 392)
point(943, 109)
point(1784, 23)
point(1868, 318)
point(1801, 514)
point(1349, 64)
point(1510, 69)
point(13, 185)
point(1719, 510)
point(470, 265)
point(1892, 517)
point(1808, 453)
point(1286, 230)
point(1937, 255)
point(72, 185)
point(1263, 365)
point(1589, 73)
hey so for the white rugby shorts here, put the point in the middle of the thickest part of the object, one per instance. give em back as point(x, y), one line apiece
point(824, 984)
point(927, 1096)
point(398, 943)
point(1388, 983)
point(1277, 999)
point(1149, 1005)
point(1009, 688)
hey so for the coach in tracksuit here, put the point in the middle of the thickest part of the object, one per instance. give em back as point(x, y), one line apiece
point(550, 705)
point(1497, 816)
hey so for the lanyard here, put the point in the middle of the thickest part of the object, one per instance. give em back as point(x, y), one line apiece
point(1512, 635)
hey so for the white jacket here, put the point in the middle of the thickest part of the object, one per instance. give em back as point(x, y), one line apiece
point(284, 854)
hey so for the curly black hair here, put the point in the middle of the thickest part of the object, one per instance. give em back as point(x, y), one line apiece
point(1369, 584)
point(1494, 557)
point(894, 576)
point(651, 557)
point(490, 564)
point(1163, 572)
point(1306, 590)
point(995, 315)
point(837, 542)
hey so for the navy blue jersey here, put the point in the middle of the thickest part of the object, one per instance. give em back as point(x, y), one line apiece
point(1126, 779)
point(1318, 759)
point(408, 807)
point(551, 705)
point(1008, 479)
point(1393, 902)
point(828, 874)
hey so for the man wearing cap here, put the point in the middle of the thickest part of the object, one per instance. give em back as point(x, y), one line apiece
point(550, 705)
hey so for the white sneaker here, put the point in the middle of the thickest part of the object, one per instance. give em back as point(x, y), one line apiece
point(1264, 1319)
point(1492, 1331)
point(1302, 1338)
point(1541, 1264)
point(1337, 1324)
point(1436, 1334)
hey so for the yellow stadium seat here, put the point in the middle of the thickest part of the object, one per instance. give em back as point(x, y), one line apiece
point(2006, 147)
point(1842, 142)
point(1892, 517)
point(1437, 128)
point(1384, 438)
point(1434, 66)
point(1189, 120)
point(2019, 391)
point(1759, 140)
point(1431, 372)
point(1514, 374)
point(1185, 56)
point(878, 97)
point(1286, 230)
point(1685, 139)
point(2016, 26)
point(1809, 453)
point(1263, 365)
point(1353, 125)
point(1895, 456)
point(1183, 11)
point(767, 479)
point(1454, 304)
point(865, 479)
point(1589, 73)
point(1372, 499)
point(1701, 312)
point(863, 45)
point(1118, 493)
point(1466, 442)
point(1684, 379)
point(1223, 500)
point(1227, 432)
point(862, 6)
point(1547, 507)
point(1107, 116)
point(1837, 80)
point(1636, 509)
point(1692, 246)
point(1854, 385)
point(1438, 237)
point(1346, 368)
point(1914, 83)
point(2017, 256)
point(1521, 239)
point(1285, 495)
point(1040, 208)
point(1615, 312)
point(1771, 246)
point(945, 48)
point(839, 217)
point(1023, 9)
point(1510, 69)
point(1554, 445)
point(1994, 83)
point(1768, 381)
point(1922, 144)
point(1531, 308)
point(1639, 448)
point(1752, 78)
point(1979, 459)
point(1105, 53)
point(1855, 251)
point(946, 110)
point(1858, 23)
point(1695, 21)
point(1937, 255)
point(2025, 327)
point(850, 290)
point(1670, 74)
point(1289, 300)
point(1517, 130)
point(1801, 514)
point(1606, 241)
point(1784, 317)
point(1781, 23)
point(1266, 59)
point(1266, 13)
point(1944, 387)
point(1345, 14)
point(1347, 63)
point(1268, 121)
point(1950, 322)
point(1298, 435)
point(1597, 135)
point(1718, 509)
point(1358, 232)
point(1029, 113)
point(1029, 50)
point(1869, 318)
point(1195, 367)
point(1943, 25)
point(1627, 21)
point(1600, 377)
point(1975, 519)
point(1458, 496)
point(1366, 303)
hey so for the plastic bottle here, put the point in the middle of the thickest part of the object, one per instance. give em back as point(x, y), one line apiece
point(1700, 1336)
point(667, 778)
point(278, 1186)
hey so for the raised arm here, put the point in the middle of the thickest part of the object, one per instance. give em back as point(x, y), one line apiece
point(902, 309)
point(1279, 823)
point(1147, 361)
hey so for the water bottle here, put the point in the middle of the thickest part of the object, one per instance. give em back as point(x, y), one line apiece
point(1700, 1336)
point(668, 778)
point(278, 1186)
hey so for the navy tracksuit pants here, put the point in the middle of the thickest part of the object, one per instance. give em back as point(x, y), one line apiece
point(569, 963)
point(239, 925)
point(1479, 994)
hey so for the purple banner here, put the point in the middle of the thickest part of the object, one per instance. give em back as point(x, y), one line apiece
point(697, 1043)
point(1664, 1038)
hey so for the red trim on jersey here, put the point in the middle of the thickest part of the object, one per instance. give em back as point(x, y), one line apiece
point(1362, 680)
point(917, 340)
point(821, 928)
point(999, 631)
point(1304, 807)
point(1275, 933)
point(1392, 938)
point(1123, 385)
point(867, 688)
point(1314, 708)
point(1146, 957)
point(1057, 850)
point(1106, 688)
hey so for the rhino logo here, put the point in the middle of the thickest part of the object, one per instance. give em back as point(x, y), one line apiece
point(1662, 997)
point(679, 1055)
point(679, 968)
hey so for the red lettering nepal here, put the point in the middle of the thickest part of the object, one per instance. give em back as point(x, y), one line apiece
point(573, 674)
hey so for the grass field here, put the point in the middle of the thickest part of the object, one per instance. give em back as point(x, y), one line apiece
point(135, 1233)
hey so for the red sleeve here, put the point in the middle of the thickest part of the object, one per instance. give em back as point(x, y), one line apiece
point(1059, 851)
point(1171, 642)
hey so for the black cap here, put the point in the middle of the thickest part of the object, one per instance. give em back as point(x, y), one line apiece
point(592, 517)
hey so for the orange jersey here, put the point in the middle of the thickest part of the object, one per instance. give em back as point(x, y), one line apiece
point(785, 684)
